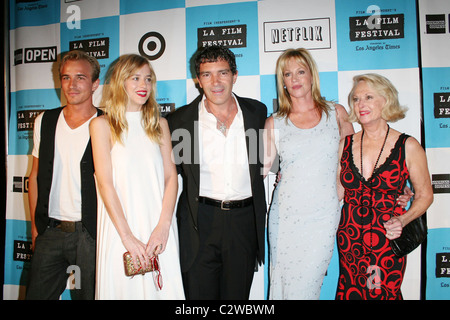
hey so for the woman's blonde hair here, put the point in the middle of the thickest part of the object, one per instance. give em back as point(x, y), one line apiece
point(115, 98)
point(303, 57)
point(392, 110)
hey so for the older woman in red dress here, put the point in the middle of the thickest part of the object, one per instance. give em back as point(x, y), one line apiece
point(375, 166)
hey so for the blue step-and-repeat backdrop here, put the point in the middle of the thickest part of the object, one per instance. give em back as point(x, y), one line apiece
point(405, 40)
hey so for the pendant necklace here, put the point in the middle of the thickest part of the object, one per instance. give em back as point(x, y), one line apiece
point(378, 159)
point(221, 125)
point(362, 177)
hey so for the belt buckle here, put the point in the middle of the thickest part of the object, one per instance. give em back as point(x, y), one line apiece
point(222, 207)
point(67, 226)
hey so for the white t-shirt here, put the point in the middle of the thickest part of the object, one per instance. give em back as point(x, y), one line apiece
point(70, 145)
point(224, 170)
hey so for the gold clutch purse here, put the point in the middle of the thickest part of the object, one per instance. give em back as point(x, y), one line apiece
point(131, 270)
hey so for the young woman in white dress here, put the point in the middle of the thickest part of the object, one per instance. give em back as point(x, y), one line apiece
point(137, 183)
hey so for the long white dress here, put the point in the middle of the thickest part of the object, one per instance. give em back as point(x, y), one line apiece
point(304, 214)
point(139, 180)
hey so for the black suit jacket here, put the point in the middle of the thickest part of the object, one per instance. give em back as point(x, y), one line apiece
point(183, 124)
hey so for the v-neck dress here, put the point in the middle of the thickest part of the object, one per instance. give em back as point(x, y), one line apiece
point(368, 267)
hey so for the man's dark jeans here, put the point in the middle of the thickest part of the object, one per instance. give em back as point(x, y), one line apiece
point(57, 253)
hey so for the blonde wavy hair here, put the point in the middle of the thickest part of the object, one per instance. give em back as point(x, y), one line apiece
point(115, 99)
point(303, 57)
point(392, 110)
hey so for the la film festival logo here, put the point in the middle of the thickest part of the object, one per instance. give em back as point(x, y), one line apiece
point(377, 26)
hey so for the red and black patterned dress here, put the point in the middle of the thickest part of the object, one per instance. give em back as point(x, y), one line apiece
point(368, 267)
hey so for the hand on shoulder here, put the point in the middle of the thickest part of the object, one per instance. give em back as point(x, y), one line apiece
point(345, 126)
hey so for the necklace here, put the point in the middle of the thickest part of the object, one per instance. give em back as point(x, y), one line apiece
point(362, 177)
point(221, 125)
point(379, 155)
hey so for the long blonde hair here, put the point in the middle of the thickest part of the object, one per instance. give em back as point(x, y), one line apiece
point(303, 57)
point(115, 99)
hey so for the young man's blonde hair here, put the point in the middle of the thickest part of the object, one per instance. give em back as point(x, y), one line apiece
point(75, 55)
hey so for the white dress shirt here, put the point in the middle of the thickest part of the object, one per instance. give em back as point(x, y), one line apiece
point(224, 170)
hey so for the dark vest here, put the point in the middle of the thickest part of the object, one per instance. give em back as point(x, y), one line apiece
point(45, 173)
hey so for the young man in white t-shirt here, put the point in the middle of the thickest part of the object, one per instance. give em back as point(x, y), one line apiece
point(62, 194)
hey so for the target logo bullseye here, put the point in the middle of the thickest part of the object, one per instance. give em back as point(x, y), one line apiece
point(152, 45)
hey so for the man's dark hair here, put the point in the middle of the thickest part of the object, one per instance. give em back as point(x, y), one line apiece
point(214, 54)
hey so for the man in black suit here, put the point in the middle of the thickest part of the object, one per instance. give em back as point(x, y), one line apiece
point(217, 146)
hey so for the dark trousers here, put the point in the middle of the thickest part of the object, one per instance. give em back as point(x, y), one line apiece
point(225, 264)
point(57, 253)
